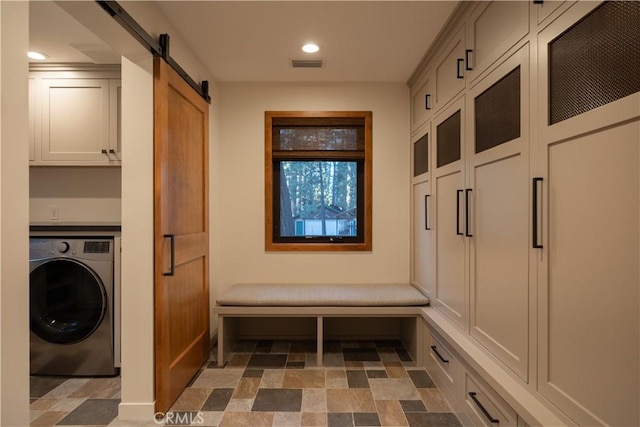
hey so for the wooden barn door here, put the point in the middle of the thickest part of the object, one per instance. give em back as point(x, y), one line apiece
point(181, 233)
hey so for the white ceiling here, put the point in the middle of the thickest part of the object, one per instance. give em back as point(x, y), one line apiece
point(254, 41)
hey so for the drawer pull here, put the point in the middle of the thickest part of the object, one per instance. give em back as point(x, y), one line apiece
point(486, 413)
point(458, 232)
point(467, 62)
point(435, 350)
point(534, 214)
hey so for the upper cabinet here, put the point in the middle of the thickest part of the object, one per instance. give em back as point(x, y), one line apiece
point(492, 29)
point(422, 101)
point(487, 33)
point(450, 70)
point(76, 118)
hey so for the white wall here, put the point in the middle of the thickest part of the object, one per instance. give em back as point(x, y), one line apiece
point(14, 215)
point(241, 185)
point(82, 194)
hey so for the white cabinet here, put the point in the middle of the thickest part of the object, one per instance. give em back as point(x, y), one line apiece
point(537, 226)
point(589, 269)
point(498, 205)
point(492, 29)
point(449, 70)
point(75, 118)
point(423, 255)
point(448, 194)
point(422, 101)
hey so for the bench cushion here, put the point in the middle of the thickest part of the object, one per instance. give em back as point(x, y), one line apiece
point(360, 295)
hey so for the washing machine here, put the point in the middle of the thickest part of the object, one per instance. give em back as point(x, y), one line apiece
point(71, 287)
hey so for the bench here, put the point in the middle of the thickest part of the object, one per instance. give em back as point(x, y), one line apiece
point(320, 301)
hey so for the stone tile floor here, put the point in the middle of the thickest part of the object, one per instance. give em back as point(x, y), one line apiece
point(270, 383)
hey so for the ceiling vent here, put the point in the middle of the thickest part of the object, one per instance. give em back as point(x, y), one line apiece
point(307, 63)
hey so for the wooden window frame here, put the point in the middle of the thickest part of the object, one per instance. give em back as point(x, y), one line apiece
point(337, 246)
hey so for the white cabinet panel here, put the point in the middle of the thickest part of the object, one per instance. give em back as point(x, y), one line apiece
point(450, 248)
point(423, 250)
point(589, 269)
point(590, 333)
point(32, 120)
point(422, 102)
point(115, 132)
point(501, 200)
point(449, 70)
point(75, 119)
point(493, 28)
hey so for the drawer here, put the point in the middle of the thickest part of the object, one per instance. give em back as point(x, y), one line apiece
point(484, 406)
point(444, 363)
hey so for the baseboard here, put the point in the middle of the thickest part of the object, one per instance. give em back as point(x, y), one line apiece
point(136, 411)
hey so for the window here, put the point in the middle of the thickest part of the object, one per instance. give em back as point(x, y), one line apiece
point(318, 181)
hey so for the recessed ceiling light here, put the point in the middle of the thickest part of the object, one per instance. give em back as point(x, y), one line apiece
point(38, 56)
point(310, 48)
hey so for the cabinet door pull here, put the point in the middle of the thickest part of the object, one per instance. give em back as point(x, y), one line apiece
point(486, 413)
point(534, 214)
point(103, 151)
point(172, 254)
point(459, 71)
point(458, 232)
point(426, 212)
point(466, 212)
point(467, 59)
point(435, 350)
point(426, 101)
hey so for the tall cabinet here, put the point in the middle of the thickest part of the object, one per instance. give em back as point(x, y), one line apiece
point(531, 251)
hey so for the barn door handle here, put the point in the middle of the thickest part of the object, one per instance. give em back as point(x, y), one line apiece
point(486, 413)
point(458, 232)
point(172, 244)
point(426, 102)
point(467, 59)
point(458, 68)
point(466, 212)
point(426, 212)
point(534, 213)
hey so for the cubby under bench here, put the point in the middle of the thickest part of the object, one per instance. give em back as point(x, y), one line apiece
point(322, 301)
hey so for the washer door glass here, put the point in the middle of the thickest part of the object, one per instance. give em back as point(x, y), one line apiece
point(68, 301)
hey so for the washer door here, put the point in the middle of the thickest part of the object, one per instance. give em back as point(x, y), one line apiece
point(68, 301)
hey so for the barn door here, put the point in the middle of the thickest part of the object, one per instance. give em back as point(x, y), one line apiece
point(181, 233)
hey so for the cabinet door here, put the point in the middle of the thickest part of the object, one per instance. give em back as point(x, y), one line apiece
point(589, 270)
point(75, 120)
point(493, 28)
point(115, 132)
point(422, 102)
point(449, 70)
point(32, 119)
point(448, 190)
point(499, 206)
point(423, 253)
